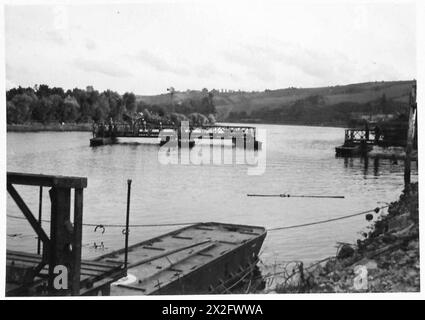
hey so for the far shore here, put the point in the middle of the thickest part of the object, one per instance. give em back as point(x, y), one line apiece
point(290, 123)
point(37, 127)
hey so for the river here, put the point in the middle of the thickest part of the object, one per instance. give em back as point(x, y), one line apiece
point(298, 160)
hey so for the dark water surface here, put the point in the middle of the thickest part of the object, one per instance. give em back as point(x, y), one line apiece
point(299, 160)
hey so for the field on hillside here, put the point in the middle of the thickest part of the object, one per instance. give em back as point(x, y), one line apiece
point(237, 105)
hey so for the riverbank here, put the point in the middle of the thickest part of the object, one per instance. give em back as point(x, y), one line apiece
point(36, 127)
point(386, 259)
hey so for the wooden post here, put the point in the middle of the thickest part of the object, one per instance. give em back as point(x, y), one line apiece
point(60, 235)
point(410, 135)
point(77, 239)
point(127, 222)
point(40, 205)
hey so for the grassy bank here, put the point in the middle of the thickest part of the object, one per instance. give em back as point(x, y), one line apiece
point(37, 127)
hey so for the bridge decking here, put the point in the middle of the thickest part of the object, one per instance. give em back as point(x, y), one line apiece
point(358, 136)
point(108, 134)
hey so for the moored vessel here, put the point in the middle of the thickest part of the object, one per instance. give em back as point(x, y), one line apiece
point(203, 258)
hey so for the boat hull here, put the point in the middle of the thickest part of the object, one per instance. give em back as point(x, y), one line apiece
point(204, 258)
point(356, 150)
point(220, 275)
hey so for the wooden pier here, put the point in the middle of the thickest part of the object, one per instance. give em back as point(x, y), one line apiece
point(30, 274)
point(241, 136)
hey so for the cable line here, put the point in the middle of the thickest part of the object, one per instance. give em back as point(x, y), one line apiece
point(103, 226)
point(376, 210)
point(283, 195)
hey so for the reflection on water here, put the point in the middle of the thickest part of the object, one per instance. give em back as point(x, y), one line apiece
point(299, 160)
point(370, 166)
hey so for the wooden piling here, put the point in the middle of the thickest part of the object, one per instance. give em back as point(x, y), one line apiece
point(77, 240)
point(60, 234)
point(410, 136)
point(127, 223)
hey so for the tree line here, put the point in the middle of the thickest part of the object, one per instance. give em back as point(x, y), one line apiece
point(46, 104)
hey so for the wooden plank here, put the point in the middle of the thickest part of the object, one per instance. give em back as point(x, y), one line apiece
point(22, 253)
point(100, 264)
point(86, 271)
point(21, 258)
point(28, 214)
point(86, 264)
point(84, 277)
point(30, 262)
point(31, 179)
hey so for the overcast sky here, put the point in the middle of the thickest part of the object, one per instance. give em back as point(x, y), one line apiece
point(146, 48)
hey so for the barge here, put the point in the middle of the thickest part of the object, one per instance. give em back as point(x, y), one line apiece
point(352, 150)
point(204, 258)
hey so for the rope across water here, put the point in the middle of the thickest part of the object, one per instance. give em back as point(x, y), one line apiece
point(98, 225)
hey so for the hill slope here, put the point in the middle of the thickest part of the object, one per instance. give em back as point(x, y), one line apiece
point(324, 105)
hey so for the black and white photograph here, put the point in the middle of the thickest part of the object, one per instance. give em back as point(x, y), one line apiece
point(197, 149)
